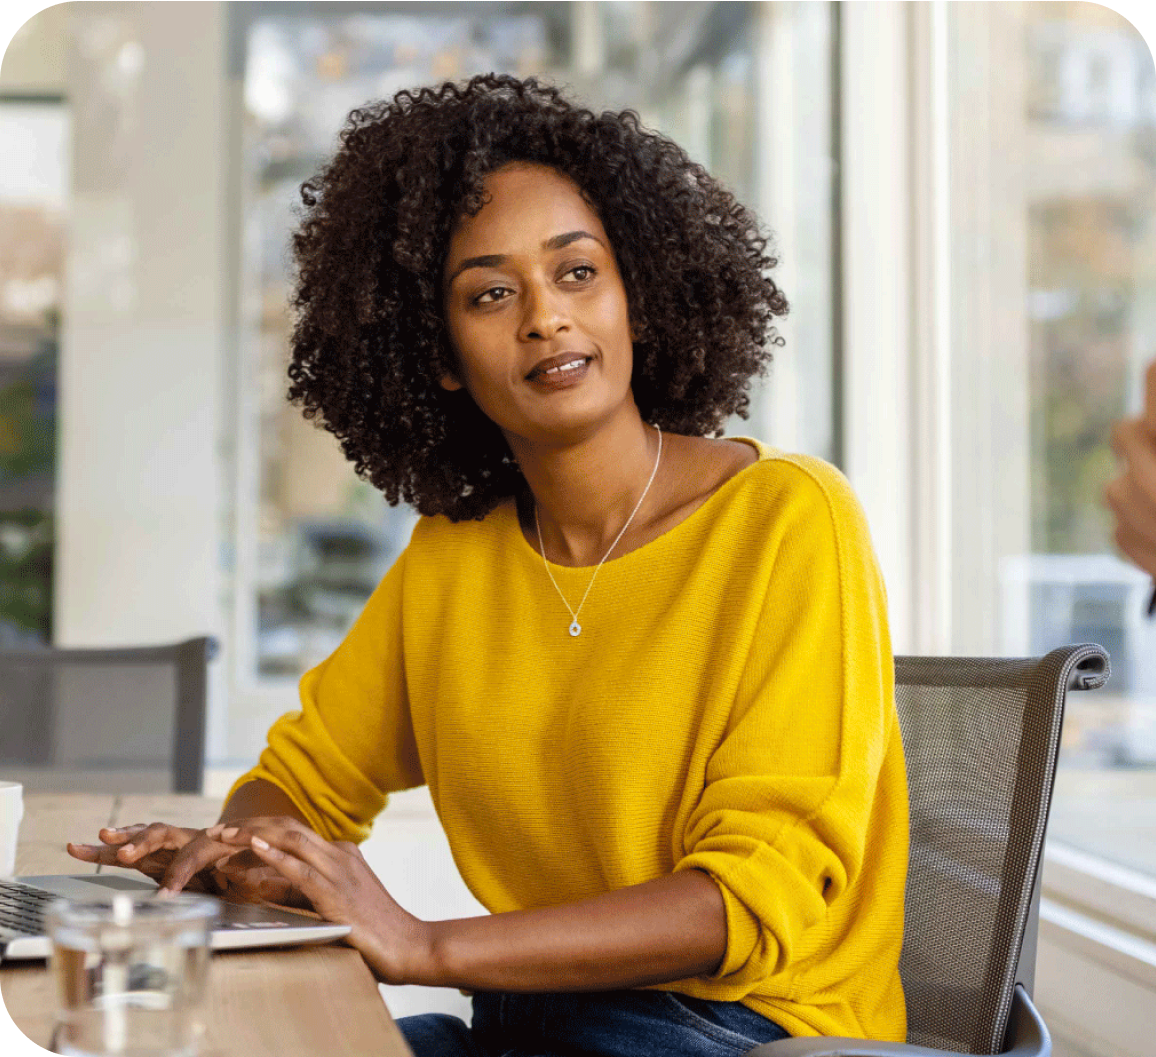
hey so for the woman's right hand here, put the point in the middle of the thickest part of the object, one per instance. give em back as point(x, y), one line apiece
point(179, 858)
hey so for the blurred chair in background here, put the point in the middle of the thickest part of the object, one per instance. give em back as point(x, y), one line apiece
point(128, 720)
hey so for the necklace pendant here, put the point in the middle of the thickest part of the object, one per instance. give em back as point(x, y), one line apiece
point(575, 629)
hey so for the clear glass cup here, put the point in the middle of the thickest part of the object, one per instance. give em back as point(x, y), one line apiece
point(131, 974)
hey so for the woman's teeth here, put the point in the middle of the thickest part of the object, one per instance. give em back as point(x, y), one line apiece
point(571, 366)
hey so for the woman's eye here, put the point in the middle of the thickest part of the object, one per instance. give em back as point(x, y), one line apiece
point(494, 293)
point(581, 273)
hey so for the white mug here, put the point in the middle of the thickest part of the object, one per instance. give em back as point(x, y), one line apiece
point(11, 812)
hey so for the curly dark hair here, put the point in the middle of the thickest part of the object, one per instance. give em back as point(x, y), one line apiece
point(370, 344)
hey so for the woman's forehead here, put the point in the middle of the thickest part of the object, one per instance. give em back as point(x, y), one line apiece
point(524, 200)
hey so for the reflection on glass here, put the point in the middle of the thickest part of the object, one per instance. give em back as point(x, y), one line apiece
point(1092, 312)
point(32, 204)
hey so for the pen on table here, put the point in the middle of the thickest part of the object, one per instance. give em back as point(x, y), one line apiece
point(1152, 601)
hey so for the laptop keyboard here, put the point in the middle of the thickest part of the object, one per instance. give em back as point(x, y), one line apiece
point(22, 909)
point(22, 912)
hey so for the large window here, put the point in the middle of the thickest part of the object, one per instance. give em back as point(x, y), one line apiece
point(1090, 113)
point(33, 195)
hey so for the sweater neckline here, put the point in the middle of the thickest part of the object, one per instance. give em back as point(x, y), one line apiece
point(510, 511)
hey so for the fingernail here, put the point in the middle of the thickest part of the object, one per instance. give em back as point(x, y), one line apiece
point(212, 831)
point(220, 863)
point(127, 847)
point(164, 892)
point(259, 843)
point(232, 831)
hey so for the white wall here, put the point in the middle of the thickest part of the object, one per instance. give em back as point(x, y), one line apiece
point(34, 61)
point(140, 478)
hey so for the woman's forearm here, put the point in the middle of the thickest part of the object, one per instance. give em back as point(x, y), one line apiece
point(663, 930)
point(259, 799)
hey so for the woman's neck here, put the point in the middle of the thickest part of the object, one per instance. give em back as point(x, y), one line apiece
point(585, 492)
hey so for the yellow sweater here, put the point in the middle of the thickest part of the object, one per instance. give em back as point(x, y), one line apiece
point(728, 707)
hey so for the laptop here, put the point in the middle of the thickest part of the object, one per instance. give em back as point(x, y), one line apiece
point(23, 901)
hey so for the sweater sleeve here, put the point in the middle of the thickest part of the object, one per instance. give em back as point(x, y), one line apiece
point(351, 743)
point(782, 820)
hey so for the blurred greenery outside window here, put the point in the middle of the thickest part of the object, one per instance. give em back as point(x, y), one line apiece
point(324, 538)
point(34, 134)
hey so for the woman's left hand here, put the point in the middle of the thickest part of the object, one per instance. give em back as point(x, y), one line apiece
point(342, 888)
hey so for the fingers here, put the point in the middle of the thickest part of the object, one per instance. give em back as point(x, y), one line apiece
point(145, 840)
point(296, 851)
point(97, 853)
point(285, 822)
point(243, 866)
point(197, 855)
point(1138, 546)
point(1130, 439)
point(296, 833)
point(285, 833)
point(1132, 495)
point(260, 883)
point(302, 874)
point(122, 833)
point(103, 853)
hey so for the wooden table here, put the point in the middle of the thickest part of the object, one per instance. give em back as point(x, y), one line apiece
point(306, 1001)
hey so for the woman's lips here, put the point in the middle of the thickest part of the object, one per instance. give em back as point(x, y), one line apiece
point(562, 375)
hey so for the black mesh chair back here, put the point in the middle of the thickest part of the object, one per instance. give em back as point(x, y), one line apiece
point(981, 738)
point(105, 720)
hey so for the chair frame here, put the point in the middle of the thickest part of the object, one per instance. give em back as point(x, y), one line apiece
point(1080, 667)
point(190, 661)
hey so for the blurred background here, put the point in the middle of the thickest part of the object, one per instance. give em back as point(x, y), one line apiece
point(963, 200)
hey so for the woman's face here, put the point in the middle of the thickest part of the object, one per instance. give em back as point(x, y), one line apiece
point(536, 310)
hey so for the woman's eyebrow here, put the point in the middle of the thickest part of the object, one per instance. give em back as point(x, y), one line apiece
point(495, 260)
point(558, 241)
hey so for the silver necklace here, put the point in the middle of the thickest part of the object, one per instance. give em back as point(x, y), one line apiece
point(576, 628)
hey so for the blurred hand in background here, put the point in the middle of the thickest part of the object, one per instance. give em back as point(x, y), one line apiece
point(1132, 495)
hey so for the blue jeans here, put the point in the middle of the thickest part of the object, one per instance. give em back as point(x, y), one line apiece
point(600, 1024)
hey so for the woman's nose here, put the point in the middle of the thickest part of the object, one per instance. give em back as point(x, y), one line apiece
point(544, 314)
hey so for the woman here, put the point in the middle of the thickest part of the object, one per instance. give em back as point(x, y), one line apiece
point(644, 672)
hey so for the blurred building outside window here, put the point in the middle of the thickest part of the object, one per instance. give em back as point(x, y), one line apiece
point(34, 136)
point(1090, 215)
point(312, 541)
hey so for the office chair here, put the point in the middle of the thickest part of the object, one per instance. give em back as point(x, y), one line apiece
point(125, 720)
point(981, 737)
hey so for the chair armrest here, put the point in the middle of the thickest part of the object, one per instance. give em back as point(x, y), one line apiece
point(1028, 1037)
